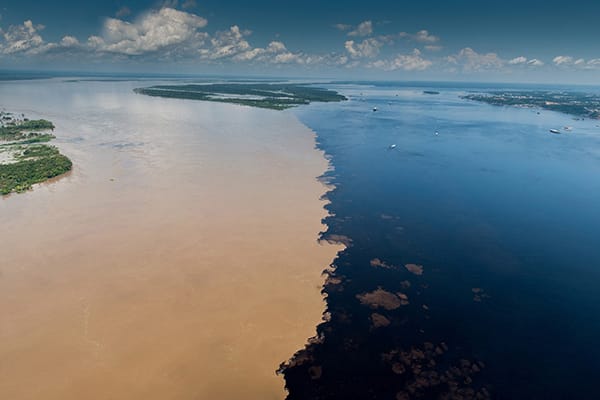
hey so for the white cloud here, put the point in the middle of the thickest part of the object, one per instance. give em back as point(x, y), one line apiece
point(594, 63)
point(580, 63)
point(23, 38)
point(368, 48)
point(405, 62)
point(166, 28)
point(518, 60)
point(228, 43)
point(560, 60)
point(363, 29)
point(471, 61)
point(69, 41)
point(257, 53)
point(522, 60)
point(535, 62)
point(422, 36)
point(164, 34)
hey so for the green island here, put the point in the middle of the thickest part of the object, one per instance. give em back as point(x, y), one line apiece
point(274, 96)
point(24, 158)
point(578, 104)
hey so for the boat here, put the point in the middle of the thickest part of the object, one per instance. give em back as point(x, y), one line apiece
point(556, 131)
point(374, 109)
point(392, 146)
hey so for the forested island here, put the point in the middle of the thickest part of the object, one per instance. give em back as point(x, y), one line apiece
point(275, 96)
point(25, 159)
point(580, 105)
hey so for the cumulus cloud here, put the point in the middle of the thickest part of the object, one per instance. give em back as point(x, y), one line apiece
point(153, 31)
point(422, 36)
point(521, 60)
point(579, 63)
point(560, 60)
point(368, 48)
point(273, 49)
point(471, 61)
point(23, 38)
point(363, 29)
point(535, 62)
point(518, 60)
point(162, 34)
point(405, 62)
point(228, 43)
point(69, 41)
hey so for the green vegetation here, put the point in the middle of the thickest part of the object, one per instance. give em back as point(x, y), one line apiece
point(275, 96)
point(20, 176)
point(29, 139)
point(23, 160)
point(12, 128)
point(581, 105)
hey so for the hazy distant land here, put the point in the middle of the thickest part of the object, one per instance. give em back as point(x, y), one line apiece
point(275, 96)
point(24, 160)
point(581, 105)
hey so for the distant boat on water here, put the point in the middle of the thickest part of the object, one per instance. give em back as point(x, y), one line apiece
point(374, 109)
point(392, 146)
point(556, 131)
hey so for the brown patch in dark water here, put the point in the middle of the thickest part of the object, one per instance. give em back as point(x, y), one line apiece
point(414, 268)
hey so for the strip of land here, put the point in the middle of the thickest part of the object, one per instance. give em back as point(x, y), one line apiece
point(580, 105)
point(275, 96)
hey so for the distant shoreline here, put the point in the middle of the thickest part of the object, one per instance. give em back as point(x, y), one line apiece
point(274, 96)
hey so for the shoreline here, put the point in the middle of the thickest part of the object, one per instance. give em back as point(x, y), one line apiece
point(198, 291)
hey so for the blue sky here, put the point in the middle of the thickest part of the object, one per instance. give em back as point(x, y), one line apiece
point(551, 41)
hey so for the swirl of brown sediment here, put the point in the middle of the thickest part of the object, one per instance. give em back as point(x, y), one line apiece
point(187, 268)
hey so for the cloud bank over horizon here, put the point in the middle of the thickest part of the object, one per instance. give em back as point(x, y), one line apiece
point(173, 33)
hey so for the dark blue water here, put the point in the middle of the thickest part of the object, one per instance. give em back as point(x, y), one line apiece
point(503, 216)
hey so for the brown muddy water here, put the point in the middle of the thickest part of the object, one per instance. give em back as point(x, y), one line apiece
point(179, 259)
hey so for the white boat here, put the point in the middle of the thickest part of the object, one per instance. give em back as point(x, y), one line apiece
point(392, 146)
point(374, 109)
point(556, 131)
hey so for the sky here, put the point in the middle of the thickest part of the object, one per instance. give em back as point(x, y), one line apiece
point(512, 41)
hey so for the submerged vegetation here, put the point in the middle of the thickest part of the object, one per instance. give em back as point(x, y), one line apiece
point(581, 105)
point(24, 161)
point(275, 96)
